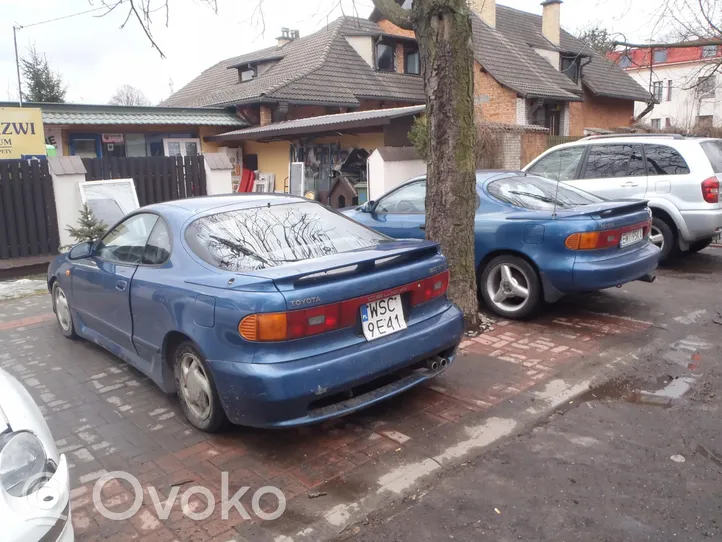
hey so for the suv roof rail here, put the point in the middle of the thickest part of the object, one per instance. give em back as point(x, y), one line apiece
point(611, 136)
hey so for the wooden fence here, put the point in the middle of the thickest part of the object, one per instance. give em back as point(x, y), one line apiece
point(28, 220)
point(157, 179)
point(555, 140)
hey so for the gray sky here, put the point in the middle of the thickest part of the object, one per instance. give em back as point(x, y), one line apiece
point(95, 56)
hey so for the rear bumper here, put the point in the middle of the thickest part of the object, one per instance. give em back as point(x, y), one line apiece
point(317, 388)
point(617, 270)
point(702, 224)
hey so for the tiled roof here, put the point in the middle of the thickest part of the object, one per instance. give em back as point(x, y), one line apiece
point(339, 121)
point(640, 58)
point(601, 76)
point(324, 68)
point(515, 65)
point(321, 68)
point(119, 114)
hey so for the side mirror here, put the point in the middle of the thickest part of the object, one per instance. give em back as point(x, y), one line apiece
point(368, 207)
point(83, 250)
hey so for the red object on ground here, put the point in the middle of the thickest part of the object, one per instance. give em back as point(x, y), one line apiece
point(247, 179)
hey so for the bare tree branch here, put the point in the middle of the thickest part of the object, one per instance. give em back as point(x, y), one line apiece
point(395, 13)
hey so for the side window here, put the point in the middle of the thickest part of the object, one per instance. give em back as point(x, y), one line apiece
point(157, 250)
point(609, 161)
point(126, 242)
point(560, 165)
point(408, 199)
point(663, 160)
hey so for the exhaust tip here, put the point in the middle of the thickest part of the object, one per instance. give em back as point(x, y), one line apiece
point(434, 366)
point(444, 362)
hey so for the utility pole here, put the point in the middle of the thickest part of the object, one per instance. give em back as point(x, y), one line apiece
point(17, 63)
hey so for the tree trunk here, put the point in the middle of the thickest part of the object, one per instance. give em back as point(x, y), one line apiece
point(443, 30)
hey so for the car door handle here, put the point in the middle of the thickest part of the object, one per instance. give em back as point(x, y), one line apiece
point(630, 184)
point(121, 285)
point(422, 227)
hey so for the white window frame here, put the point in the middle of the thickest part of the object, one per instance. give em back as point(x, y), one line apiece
point(264, 185)
point(110, 183)
point(182, 141)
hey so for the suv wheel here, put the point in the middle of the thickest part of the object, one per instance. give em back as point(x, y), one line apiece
point(664, 237)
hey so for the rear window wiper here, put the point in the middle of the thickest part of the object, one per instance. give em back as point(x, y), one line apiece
point(248, 252)
point(545, 199)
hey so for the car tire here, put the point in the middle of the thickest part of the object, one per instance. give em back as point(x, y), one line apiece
point(700, 245)
point(196, 389)
point(510, 287)
point(64, 316)
point(665, 237)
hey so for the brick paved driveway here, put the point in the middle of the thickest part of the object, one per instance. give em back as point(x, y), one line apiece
point(107, 417)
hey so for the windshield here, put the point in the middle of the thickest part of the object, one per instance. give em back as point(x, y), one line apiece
point(539, 194)
point(244, 240)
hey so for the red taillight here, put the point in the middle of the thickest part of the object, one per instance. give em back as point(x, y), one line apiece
point(710, 190)
point(595, 240)
point(308, 322)
point(430, 288)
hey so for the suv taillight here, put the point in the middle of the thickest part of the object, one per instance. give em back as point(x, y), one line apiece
point(710, 190)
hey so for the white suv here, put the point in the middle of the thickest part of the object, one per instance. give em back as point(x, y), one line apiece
point(679, 176)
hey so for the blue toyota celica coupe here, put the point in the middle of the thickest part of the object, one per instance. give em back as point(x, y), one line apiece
point(268, 311)
point(536, 239)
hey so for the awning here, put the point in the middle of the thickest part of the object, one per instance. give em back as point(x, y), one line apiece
point(319, 125)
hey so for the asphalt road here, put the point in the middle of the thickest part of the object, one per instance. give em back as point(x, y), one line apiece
point(639, 458)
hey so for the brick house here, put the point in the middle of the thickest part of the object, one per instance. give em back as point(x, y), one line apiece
point(527, 71)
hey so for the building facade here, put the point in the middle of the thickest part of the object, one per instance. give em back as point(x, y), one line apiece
point(683, 81)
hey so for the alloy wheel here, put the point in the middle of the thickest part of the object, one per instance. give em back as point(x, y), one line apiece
point(657, 237)
point(62, 309)
point(195, 386)
point(508, 287)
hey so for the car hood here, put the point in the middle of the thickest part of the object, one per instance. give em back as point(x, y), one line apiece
point(19, 412)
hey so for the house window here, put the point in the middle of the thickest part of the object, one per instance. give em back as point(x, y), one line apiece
point(660, 56)
point(656, 124)
point(625, 61)
point(705, 121)
point(385, 57)
point(181, 147)
point(709, 51)
point(657, 88)
point(667, 122)
point(669, 90)
point(570, 68)
point(706, 86)
point(412, 61)
point(247, 74)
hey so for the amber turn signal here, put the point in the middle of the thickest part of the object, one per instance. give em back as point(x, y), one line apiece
point(264, 327)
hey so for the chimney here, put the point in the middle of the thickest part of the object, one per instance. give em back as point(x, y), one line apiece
point(551, 20)
point(287, 36)
point(486, 9)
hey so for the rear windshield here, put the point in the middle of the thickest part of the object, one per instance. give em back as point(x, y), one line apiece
point(539, 194)
point(713, 150)
point(244, 240)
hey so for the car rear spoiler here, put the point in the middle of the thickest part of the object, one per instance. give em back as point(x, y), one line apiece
point(364, 260)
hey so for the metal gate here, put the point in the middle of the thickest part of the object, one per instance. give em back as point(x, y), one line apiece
point(157, 178)
point(28, 220)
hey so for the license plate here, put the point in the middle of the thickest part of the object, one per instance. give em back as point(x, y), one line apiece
point(631, 237)
point(382, 317)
